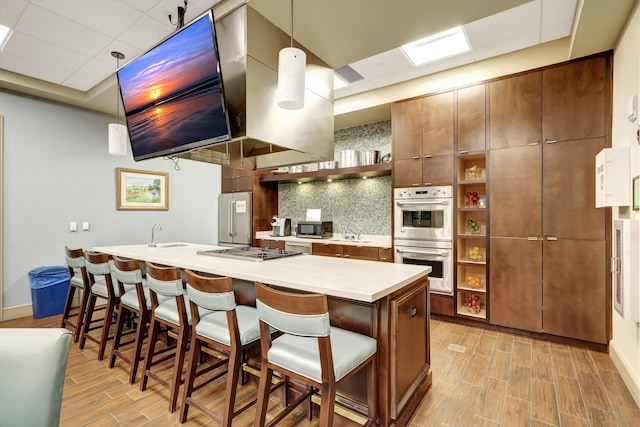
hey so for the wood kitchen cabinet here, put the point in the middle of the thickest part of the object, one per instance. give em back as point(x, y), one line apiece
point(548, 241)
point(573, 99)
point(515, 111)
point(423, 152)
point(369, 253)
point(236, 179)
point(472, 118)
point(271, 244)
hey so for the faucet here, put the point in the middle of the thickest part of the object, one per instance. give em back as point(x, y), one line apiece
point(359, 234)
point(347, 234)
point(152, 243)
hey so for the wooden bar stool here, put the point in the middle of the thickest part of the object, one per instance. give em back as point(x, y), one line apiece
point(99, 271)
point(168, 310)
point(79, 281)
point(134, 302)
point(310, 350)
point(229, 329)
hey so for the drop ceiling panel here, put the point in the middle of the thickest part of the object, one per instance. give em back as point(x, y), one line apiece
point(10, 11)
point(505, 46)
point(82, 83)
point(44, 53)
point(555, 12)
point(33, 69)
point(397, 77)
point(146, 33)
point(445, 64)
point(383, 64)
point(37, 22)
point(504, 25)
point(107, 17)
point(556, 31)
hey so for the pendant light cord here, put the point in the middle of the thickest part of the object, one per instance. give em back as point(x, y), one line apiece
point(291, 23)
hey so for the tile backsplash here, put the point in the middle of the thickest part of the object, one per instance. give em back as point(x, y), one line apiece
point(358, 204)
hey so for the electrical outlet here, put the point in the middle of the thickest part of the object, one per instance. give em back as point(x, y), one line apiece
point(85, 226)
point(73, 226)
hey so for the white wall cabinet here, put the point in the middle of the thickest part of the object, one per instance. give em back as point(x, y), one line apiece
point(613, 181)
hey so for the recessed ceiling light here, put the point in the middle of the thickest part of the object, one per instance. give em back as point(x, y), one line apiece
point(5, 32)
point(338, 82)
point(438, 46)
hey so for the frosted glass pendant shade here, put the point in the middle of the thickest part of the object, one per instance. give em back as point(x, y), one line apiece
point(118, 139)
point(291, 69)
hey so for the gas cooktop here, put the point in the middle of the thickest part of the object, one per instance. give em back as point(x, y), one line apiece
point(250, 254)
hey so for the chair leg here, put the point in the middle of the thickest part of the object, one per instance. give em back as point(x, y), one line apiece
point(143, 319)
point(81, 314)
point(233, 375)
point(181, 349)
point(117, 335)
point(87, 321)
point(106, 326)
point(153, 338)
point(194, 357)
point(327, 402)
point(372, 408)
point(67, 306)
point(263, 394)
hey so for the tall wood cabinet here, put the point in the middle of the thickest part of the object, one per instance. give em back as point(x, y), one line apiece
point(548, 241)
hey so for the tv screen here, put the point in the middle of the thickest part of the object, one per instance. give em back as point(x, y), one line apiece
point(173, 95)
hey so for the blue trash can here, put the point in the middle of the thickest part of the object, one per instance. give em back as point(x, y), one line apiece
point(49, 288)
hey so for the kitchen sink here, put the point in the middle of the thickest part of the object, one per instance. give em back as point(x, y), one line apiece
point(172, 245)
point(351, 241)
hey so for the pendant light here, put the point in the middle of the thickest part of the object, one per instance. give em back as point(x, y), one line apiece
point(291, 70)
point(118, 136)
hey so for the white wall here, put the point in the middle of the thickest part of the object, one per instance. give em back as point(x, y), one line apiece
point(625, 345)
point(57, 169)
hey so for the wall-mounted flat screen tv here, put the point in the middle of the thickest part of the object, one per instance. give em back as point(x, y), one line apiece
point(173, 95)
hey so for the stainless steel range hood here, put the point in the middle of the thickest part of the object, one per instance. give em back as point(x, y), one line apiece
point(264, 135)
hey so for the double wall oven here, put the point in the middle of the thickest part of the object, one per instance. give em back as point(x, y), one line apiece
point(423, 232)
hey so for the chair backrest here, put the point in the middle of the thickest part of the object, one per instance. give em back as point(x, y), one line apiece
point(33, 362)
point(212, 293)
point(167, 282)
point(97, 264)
point(76, 262)
point(293, 313)
point(129, 277)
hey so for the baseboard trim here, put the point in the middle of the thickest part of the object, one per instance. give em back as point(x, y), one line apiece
point(17, 312)
point(626, 373)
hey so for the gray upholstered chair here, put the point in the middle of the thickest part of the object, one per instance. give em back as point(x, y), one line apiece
point(99, 270)
point(134, 302)
point(227, 328)
point(309, 350)
point(33, 362)
point(79, 282)
point(169, 313)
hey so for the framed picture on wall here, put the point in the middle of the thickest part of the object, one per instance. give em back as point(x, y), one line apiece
point(636, 193)
point(142, 190)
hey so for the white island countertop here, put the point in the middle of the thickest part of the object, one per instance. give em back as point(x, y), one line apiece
point(366, 281)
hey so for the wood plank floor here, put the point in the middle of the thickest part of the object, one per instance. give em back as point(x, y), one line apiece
point(486, 378)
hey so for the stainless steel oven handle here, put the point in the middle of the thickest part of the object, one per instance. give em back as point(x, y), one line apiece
point(418, 252)
point(426, 202)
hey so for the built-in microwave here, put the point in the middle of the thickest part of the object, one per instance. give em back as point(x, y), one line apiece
point(314, 229)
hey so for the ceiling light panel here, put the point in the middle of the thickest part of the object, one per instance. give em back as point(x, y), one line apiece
point(438, 46)
point(5, 33)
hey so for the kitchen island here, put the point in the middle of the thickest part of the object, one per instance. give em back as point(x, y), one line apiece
point(386, 301)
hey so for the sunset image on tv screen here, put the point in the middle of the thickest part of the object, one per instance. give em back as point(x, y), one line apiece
point(172, 95)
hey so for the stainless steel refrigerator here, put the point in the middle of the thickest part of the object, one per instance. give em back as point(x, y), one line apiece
point(234, 219)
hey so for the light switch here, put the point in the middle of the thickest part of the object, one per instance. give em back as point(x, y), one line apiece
point(73, 226)
point(85, 226)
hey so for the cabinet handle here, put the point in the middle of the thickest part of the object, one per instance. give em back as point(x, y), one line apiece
point(416, 157)
point(413, 312)
point(463, 152)
point(346, 256)
point(545, 236)
point(534, 238)
point(427, 183)
point(427, 156)
point(415, 185)
point(534, 143)
point(550, 141)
